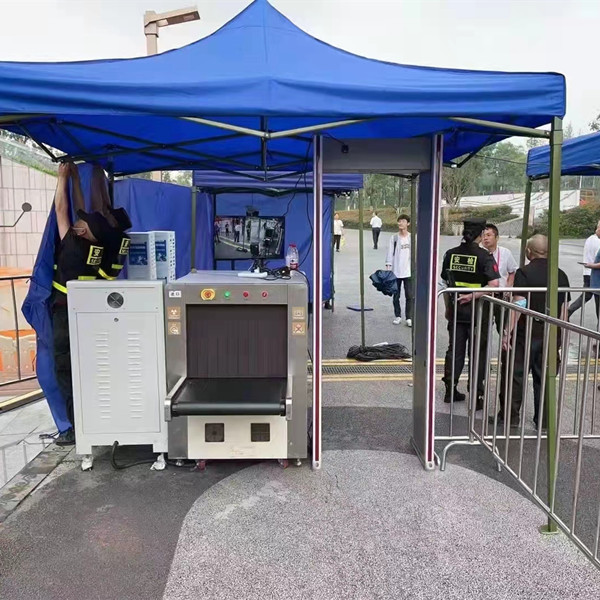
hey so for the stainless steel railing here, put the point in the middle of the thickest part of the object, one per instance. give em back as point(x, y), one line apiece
point(558, 469)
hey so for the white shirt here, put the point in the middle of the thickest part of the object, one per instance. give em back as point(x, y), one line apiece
point(506, 264)
point(400, 259)
point(338, 227)
point(590, 249)
point(376, 222)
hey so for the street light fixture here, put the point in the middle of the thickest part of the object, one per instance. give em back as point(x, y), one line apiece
point(152, 23)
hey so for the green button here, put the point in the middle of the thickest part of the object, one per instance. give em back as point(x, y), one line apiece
point(227, 294)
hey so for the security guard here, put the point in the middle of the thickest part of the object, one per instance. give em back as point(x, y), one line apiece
point(116, 242)
point(467, 266)
point(116, 245)
point(78, 255)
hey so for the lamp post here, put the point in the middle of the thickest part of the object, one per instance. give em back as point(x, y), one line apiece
point(152, 23)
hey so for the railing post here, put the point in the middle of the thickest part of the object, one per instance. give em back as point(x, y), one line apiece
point(556, 138)
point(525, 225)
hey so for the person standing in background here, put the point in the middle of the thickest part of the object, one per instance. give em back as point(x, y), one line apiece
point(376, 224)
point(507, 265)
point(338, 231)
point(590, 250)
point(398, 260)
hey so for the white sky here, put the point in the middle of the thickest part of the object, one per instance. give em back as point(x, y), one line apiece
point(511, 35)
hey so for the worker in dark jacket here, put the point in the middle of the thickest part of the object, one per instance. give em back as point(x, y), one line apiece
point(78, 256)
point(470, 267)
point(116, 241)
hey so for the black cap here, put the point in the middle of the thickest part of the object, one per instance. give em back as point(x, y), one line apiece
point(97, 223)
point(121, 217)
point(475, 226)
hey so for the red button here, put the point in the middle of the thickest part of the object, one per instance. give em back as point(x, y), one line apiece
point(246, 294)
point(265, 294)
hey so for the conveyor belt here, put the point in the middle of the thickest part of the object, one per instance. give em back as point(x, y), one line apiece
point(242, 396)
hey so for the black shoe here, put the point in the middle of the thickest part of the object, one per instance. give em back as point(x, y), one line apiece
point(500, 419)
point(479, 403)
point(66, 439)
point(458, 396)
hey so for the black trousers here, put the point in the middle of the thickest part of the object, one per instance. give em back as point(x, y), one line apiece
point(376, 231)
point(585, 297)
point(336, 241)
point(520, 373)
point(62, 354)
point(408, 297)
point(457, 351)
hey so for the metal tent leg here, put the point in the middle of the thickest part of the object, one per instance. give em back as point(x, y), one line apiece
point(556, 138)
point(317, 302)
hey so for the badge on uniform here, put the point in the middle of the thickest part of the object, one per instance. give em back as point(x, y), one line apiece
point(124, 250)
point(95, 256)
point(464, 263)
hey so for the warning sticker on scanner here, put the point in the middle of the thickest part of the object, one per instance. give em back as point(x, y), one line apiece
point(298, 329)
point(298, 313)
point(174, 328)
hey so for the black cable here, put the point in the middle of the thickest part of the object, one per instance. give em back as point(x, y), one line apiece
point(118, 467)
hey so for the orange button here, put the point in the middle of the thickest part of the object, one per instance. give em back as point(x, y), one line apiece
point(207, 294)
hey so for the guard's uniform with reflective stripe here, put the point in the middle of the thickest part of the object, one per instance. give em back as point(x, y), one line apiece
point(75, 258)
point(116, 250)
point(466, 266)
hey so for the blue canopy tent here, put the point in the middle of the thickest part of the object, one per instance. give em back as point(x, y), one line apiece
point(580, 156)
point(266, 109)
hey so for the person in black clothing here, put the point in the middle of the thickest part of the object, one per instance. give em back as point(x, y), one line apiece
point(78, 255)
point(534, 274)
point(471, 267)
point(116, 242)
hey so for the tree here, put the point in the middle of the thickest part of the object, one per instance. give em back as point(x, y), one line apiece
point(595, 124)
point(460, 181)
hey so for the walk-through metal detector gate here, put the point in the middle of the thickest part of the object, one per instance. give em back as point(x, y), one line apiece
point(406, 158)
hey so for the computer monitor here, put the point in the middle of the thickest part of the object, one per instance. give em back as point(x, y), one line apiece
point(244, 238)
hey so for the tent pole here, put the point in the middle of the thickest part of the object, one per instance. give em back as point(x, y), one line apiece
point(413, 245)
point(514, 129)
point(550, 401)
point(193, 244)
point(111, 183)
point(214, 216)
point(361, 269)
point(332, 261)
point(525, 226)
point(317, 303)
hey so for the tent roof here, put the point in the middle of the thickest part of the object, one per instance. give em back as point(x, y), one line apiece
point(580, 156)
point(215, 180)
point(261, 72)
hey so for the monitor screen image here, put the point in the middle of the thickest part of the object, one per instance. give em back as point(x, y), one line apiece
point(243, 238)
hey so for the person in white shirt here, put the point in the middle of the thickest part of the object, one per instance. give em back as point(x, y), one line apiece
point(590, 249)
point(507, 265)
point(398, 260)
point(338, 231)
point(376, 224)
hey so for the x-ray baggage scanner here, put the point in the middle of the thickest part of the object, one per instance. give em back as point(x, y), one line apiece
point(236, 366)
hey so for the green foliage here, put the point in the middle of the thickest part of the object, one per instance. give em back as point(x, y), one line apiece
point(494, 213)
point(579, 222)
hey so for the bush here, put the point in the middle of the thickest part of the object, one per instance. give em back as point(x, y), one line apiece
point(494, 213)
point(578, 222)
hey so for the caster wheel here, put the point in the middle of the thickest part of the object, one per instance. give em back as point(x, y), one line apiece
point(298, 462)
point(179, 463)
point(200, 465)
point(284, 463)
